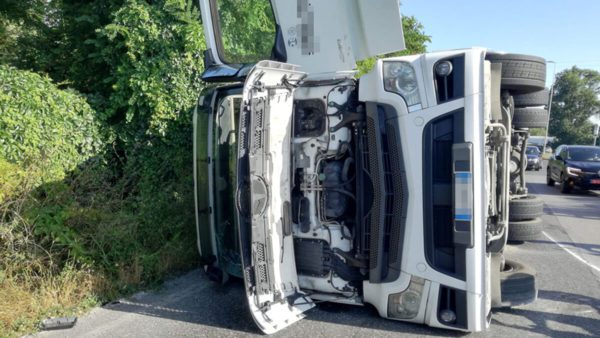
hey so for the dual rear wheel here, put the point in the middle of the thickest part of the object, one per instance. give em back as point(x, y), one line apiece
point(524, 218)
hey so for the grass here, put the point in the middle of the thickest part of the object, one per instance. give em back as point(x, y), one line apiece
point(66, 246)
point(27, 298)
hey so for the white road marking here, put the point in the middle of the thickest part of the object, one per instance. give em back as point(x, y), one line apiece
point(572, 253)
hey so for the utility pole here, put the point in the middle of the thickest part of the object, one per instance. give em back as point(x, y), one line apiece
point(549, 106)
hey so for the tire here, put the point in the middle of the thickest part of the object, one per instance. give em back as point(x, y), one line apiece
point(565, 188)
point(535, 99)
point(517, 284)
point(528, 207)
point(549, 181)
point(530, 118)
point(521, 74)
point(519, 231)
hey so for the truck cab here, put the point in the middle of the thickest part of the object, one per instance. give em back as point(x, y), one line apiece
point(390, 189)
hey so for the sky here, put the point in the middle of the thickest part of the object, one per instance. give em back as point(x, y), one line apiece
point(564, 31)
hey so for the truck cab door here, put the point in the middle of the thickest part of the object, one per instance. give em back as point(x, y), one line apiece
point(324, 38)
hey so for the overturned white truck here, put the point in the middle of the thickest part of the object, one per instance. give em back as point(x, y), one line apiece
point(392, 189)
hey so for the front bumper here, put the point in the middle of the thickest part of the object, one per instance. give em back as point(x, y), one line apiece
point(533, 163)
point(587, 182)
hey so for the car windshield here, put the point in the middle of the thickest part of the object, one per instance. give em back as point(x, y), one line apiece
point(584, 154)
point(532, 151)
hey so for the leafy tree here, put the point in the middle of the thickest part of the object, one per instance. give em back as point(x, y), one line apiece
point(152, 54)
point(537, 131)
point(414, 40)
point(575, 100)
point(20, 20)
point(250, 38)
point(414, 37)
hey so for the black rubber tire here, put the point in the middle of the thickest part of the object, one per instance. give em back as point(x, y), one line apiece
point(549, 181)
point(521, 74)
point(517, 284)
point(565, 188)
point(528, 207)
point(519, 231)
point(530, 117)
point(535, 99)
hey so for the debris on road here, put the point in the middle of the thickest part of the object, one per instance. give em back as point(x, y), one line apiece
point(58, 323)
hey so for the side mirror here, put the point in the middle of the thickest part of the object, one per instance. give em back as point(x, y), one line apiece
point(558, 157)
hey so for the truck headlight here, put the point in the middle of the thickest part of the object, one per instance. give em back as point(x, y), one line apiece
point(406, 304)
point(574, 171)
point(399, 77)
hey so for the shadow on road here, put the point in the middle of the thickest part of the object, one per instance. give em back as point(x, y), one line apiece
point(542, 320)
point(367, 317)
point(196, 300)
point(578, 203)
point(543, 189)
point(590, 249)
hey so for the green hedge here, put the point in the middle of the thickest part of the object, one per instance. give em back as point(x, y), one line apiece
point(41, 123)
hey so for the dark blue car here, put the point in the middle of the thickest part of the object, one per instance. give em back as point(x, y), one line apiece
point(575, 166)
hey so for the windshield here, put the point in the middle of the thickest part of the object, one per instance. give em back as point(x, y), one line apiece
point(532, 151)
point(584, 154)
point(247, 30)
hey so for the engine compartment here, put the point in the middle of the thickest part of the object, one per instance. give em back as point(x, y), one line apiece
point(324, 192)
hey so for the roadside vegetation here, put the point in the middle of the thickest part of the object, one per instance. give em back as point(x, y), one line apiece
point(575, 100)
point(96, 101)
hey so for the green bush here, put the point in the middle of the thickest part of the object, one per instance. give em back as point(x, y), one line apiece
point(117, 221)
point(39, 122)
point(153, 52)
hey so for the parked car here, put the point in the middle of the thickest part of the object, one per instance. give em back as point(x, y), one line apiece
point(534, 158)
point(391, 190)
point(575, 166)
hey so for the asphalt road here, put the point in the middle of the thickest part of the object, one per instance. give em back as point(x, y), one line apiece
point(566, 257)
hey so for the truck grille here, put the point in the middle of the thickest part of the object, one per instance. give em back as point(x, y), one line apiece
point(384, 223)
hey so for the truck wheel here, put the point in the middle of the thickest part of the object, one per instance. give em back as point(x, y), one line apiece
point(565, 188)
point(549, 181)
point(528, 207)
point(519, 231)
point(535, 99)
point(521, 74)
point(517, 285)
point(530, 118)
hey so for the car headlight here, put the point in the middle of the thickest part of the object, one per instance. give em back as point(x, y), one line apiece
point(399, 77)
point(574, 171)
